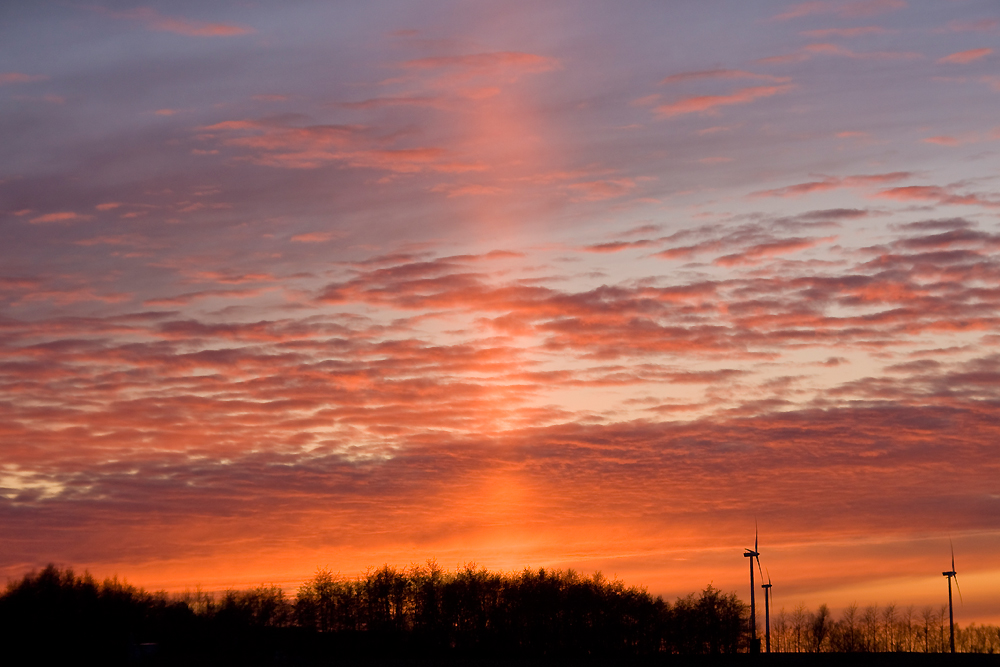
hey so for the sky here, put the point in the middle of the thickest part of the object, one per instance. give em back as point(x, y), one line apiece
point(589, 285)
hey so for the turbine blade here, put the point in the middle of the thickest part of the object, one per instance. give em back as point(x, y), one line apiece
point(757, 557)
point(755, 535)
point(955, 576)
point(952, 555)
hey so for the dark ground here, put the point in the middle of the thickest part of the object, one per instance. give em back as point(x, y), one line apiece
point(741, 660)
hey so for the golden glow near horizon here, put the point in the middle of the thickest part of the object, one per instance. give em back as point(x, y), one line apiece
point(573, 286)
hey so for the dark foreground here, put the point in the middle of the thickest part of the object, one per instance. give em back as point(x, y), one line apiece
point(738, 660)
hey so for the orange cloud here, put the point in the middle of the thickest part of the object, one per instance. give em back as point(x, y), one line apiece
point(706, 103)
point(964, 57)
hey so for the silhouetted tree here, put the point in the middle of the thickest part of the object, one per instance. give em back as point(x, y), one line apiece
point(820, 627)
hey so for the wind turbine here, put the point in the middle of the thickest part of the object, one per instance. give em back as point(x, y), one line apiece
point(751, 554)
point(952, 574)
point(767, 608)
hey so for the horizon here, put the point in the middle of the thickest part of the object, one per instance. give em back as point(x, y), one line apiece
point(902, 591)
point(574, 286)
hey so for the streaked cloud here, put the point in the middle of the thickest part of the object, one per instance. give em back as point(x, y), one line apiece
point(965, 57)
point(19, 77)
point(151, 19)
point(708, 103)
point(846, 9)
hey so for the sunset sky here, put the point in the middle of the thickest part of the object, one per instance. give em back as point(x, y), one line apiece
point(590, 285)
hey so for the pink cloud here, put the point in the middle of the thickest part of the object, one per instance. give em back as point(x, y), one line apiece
point(618, 246)
point(467, 190)
point(187, 298)
point(937, 194)
point(603, 189)
point(980, 25)
point(401, 101)
point(757, 253)
point(18, 77)
point(513, 60)
point(153, 20)
point(963, 57)
point(833, 183)
point(785, 58)
point(948, 140)
point(836, 50)
point(66, 296)
point(707, 103)
point(61, 216)
point(314, 237)
point(852, 9)
point(721, 74)
point(845, 32)
point(276, 145)
point(942, 141)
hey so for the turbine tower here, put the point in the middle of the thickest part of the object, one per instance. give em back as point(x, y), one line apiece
point(952, 574)
point(767, 609)
point(751, 554)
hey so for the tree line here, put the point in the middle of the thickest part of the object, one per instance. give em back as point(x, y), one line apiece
point(427, 612)
point(873, 629)
point(420, 611)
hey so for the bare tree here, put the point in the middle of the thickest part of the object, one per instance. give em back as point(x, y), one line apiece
point(907, 628)
point(889, 626)
point(779, 632)
point(799, 625)
point(849, 621)
point(820, 627)
point(927, 616)
point(870, 624)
